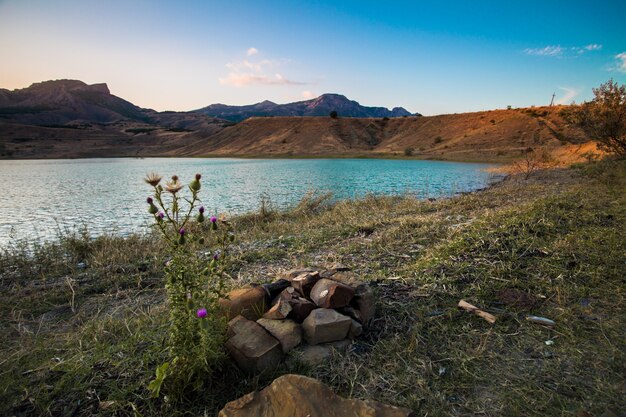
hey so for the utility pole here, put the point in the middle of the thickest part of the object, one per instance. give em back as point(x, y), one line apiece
point(552, 101)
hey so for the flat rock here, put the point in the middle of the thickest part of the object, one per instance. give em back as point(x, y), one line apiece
point(251, 346)
point(287, 332)
point(250, 302)
point(316, 354)
point(300, 396)
point(327, 293)
point(325, 325)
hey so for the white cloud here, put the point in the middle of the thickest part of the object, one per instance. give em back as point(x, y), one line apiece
point(243, 79)
point(621, 62)
point(550, 50)
point(249, 71)
point(569, 93)
point(308, 94)
point(560, 51)
point(593, 47)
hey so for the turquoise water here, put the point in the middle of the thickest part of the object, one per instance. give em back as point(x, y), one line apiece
point(40, 198)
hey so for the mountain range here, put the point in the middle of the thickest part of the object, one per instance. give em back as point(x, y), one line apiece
point(320, 106)
point(63, 102)
point(70, 119)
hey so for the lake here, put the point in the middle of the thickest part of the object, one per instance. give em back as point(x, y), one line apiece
point(44, 197)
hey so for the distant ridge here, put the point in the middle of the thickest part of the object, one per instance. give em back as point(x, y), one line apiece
point(320, 106)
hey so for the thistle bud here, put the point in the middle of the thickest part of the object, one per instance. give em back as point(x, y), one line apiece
point(200, 217)
point(152, 209)
point(160, 216)
point(181, 239)
point(195, 184)
point(213, 222)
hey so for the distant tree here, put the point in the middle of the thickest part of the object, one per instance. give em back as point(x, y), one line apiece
point(409, 151)
point(604, 117)
point(508, 107)
point(333, 114)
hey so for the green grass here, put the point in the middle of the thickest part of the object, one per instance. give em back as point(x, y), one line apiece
point(87, 341)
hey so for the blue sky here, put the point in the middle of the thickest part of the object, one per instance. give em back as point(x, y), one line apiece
point(429, 57)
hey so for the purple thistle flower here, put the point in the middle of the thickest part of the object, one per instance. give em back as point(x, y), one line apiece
point(201, 313)
point(182, 231)
point(216, 256)
point(149, 200)
point(198, 176)
point(161, 214)
point(213, 219)
point(201, 209)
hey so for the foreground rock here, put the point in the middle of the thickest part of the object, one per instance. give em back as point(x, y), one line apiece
point(287, 332)
point(324, 325)
point(250, 302)
point(251, 346)
point(300, 396)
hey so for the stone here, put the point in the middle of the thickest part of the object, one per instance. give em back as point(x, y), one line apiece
point(252, 347)
point(296, 395)
point(287, 294)
point(351, 312)
point(325, 325)
point(274, 288)
point(301, 308)
point(250, 302)
point(364, 300)
point(288, 332)
point(313, 355)
point(304, 282)
point(356, 329)
point(327, 293)
point(279, 311)
point(292, 273)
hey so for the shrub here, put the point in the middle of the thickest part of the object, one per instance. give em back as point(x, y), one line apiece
point(438, 139)
point(333, 114)
point(604, 117)
point(194, 282)
point(409, 151)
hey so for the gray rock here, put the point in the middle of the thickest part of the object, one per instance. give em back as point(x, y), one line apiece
point(356, 329)
point(316, 354)
point(288, 332)
point(251, 346)
point(325, 325)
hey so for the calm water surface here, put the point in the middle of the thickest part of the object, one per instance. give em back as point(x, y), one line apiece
point(40, 198)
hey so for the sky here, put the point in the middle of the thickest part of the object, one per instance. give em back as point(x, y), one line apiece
point(431, 57)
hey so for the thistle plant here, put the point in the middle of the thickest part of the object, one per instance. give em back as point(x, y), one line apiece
point(195, 279)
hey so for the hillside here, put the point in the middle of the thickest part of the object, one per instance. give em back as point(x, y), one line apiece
point(69, 119)
point(320, 106)
point(488, 135)
point(497, 135)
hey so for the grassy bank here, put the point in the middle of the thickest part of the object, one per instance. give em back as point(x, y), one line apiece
point(85, 339)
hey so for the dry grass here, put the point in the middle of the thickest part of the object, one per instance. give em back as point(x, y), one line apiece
point(86, 341)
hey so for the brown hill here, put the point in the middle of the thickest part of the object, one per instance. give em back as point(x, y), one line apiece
point(488, 135)
point(497, 135)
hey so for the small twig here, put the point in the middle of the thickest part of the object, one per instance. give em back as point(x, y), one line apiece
point(68, 281)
